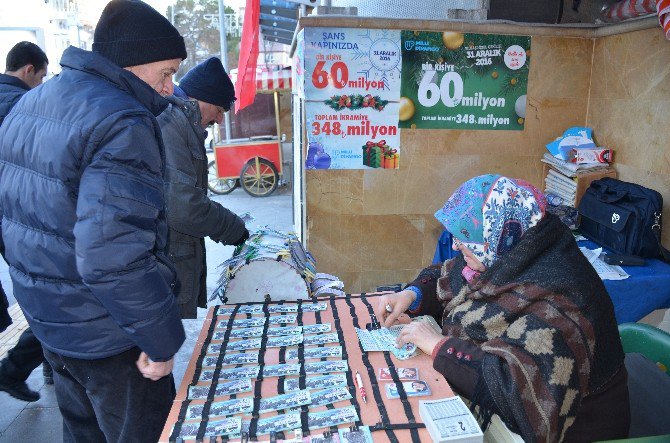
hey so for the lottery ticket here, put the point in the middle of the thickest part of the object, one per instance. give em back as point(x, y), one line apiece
point(316, 329)
point(221, 408)
point(239, 333)
point(226, 426)
point(282, 309)
point(332, 417)
point(239, 359)
point(214, 348)
point(210, 361)
point(325, 352)
point(230, 373)
point(284, 330)
point(281, 370)
point(313, 307)
point(320, 339)
point(238, 373)
point(239, 345)
point(221, 389)
point(231, 407)
point(322, 367)
point(412, 389)
point(404, 374)
point(224, 311)
point(384, 339)
point(244, 322)
point(247, 218)
point(282, 319)
point(317, 382)
point(250, 309)
point(329, 396)
point(278, 423)
point(285, 401)
point(285, 340)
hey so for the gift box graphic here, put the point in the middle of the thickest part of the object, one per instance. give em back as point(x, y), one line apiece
point(372, 155)
point(390, 159)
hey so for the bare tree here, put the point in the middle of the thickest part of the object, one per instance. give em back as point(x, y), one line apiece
point(197, 21)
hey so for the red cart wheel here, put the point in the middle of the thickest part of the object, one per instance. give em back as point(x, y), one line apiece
point(259, 177)
point(219, 185)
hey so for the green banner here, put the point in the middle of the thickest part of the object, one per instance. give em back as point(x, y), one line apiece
point(452, 80)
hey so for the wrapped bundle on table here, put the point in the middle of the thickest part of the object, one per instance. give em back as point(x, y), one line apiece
point(273, 265)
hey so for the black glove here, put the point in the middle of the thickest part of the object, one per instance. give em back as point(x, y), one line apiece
point(245, 237)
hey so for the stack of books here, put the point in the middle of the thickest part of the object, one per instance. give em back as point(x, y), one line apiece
point(573, 169)
point(569, 181)
point(562, 186)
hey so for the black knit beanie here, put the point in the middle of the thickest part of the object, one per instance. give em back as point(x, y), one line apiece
point(132, 33)
point(208, 82)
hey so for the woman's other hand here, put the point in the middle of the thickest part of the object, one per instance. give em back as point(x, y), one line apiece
point(398, 302)
point(421, 334)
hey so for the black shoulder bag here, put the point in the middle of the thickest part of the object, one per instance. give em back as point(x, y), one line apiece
point(624, 217)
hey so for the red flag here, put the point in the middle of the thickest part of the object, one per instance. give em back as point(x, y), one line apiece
point(245, 85)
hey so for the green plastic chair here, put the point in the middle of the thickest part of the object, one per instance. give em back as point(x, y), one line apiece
point(649, 341)
point(654, 344)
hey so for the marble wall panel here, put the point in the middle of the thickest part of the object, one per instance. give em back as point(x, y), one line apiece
point(392, 242)
point(636, 129)
point(560, 67)
point(335, 241)
point(384, 190)
point(338, 192)
point(634, 65)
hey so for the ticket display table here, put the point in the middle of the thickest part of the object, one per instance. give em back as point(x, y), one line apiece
point(646, 290)
point(392, 420)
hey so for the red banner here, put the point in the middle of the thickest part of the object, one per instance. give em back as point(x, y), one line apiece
point(245, 86)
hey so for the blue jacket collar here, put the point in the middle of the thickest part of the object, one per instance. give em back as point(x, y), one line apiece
point(96, 64)
point(14, 81)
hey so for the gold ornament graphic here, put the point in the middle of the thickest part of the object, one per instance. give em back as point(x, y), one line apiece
point(407, 109)
point(452, 40)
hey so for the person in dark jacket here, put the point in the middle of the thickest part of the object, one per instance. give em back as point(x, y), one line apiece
point(528, 328)
point(191, 214)
point(25, 69)
point(86, 245)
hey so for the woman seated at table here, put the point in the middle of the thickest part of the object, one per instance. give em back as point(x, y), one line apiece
point(528, 328)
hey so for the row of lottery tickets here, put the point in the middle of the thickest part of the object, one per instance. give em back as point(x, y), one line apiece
point(325, 384)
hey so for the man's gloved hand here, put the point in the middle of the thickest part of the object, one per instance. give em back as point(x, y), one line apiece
point(245, 237)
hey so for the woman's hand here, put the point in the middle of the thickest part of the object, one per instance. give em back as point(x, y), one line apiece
point(398, 302)
point(421, 334)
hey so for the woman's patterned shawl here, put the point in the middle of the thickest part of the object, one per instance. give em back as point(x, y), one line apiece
point(544, 319)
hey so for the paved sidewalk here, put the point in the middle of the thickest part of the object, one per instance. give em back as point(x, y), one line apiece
point(41, 420)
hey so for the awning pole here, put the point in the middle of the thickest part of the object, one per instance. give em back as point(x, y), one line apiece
point(224, 56)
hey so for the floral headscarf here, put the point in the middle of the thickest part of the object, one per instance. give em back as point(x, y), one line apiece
point(490, 213)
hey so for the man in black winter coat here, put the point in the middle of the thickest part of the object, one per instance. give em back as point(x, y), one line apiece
point(25, 68)
point(86, 245)
point(208, 94)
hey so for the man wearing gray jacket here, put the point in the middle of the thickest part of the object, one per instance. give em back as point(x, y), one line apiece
point(207, 94)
